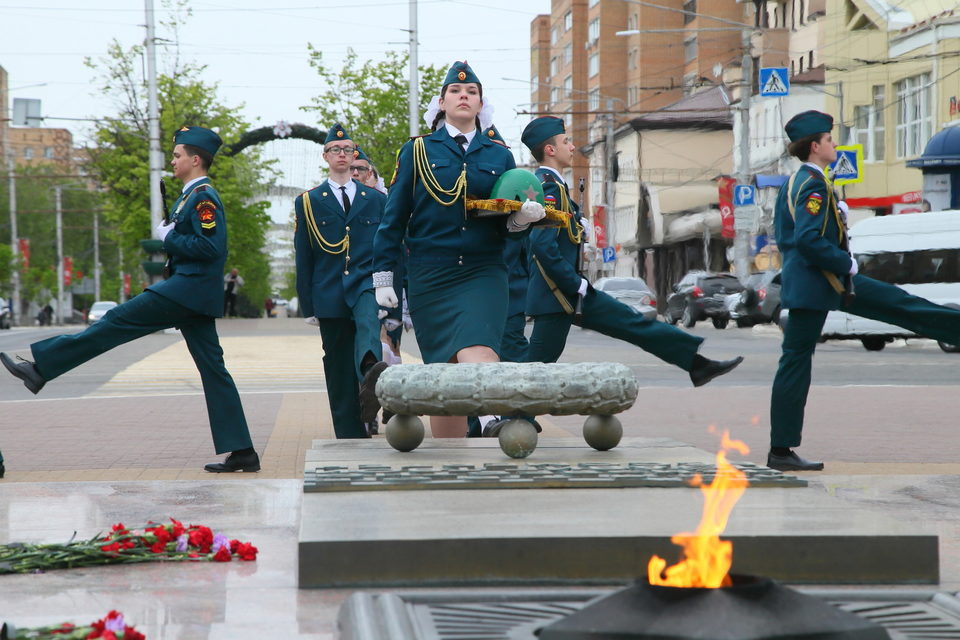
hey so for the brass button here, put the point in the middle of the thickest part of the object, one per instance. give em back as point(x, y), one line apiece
point(493, 171)
point(460, 262)
point(363, 193)
point(324, 194)
point(463, 228)
point(347, 259)
point(347, 229)
point(346, 272)
point(434, 165)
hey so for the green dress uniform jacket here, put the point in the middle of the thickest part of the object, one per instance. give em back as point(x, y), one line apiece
point(197, 247)
point(555, 251)
point(332, 273)
point(810, 242)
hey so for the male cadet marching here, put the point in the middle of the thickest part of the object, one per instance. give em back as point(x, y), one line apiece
point(818, 275)
point(559, 296)
point(333, 239)
point(195, 238)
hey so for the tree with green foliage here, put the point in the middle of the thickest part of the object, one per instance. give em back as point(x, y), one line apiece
point(370, 100)
point(119, 157)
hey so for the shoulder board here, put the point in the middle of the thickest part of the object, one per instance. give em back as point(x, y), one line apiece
point(501, 143)
point(548, 177)
point(422, 135)
point(202, 187)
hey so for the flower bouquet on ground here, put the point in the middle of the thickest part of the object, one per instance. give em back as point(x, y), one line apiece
point(156, 542)
point(110, 627)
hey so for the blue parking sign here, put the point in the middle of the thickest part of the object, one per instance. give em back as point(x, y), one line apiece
point(609, 254)
point(744, 195)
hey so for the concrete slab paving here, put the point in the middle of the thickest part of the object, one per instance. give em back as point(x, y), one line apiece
point(504, 536)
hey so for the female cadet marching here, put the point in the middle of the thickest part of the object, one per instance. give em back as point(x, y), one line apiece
point(456, 277)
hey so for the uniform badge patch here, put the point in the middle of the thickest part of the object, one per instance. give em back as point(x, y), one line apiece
point(207, 212)
point(813, 204)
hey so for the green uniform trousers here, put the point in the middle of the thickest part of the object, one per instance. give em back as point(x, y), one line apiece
point(145, 314)
point(346, 342)
point(607, 315)
point(875, 300)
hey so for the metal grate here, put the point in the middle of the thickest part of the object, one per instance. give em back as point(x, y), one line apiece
point(518, 614)
point(504, 475)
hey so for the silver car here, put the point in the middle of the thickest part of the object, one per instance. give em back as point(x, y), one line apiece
point(632, 292)
point(98, 310)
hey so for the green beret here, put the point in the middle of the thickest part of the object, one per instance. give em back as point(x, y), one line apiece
point(808, 123)
point(541, 130)
point(460, 72)
point(492, 133)
point(336, 134)
point(198, 137)
point(360, 155)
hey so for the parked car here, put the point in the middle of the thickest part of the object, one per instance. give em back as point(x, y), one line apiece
point(700, 295)
point(98, 310)
point(5, 320)
point(759, 302)
point(633, 292)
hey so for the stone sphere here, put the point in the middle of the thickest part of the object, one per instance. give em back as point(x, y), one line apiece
point(518, 438)
point(602, 432)
point(404, 433)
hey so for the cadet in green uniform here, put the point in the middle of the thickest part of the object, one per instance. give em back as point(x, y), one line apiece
point(557, 289)
point(333, 239)
point(456, 277)
point(819, 275)
point(196, 241)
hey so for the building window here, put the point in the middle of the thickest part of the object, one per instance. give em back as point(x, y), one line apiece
point(28, 153)
point(593, 64)
point(690, 7)
point(593, 3)
point(568, 21)
point(568, 53)
point(914, 115)
point(554, 66)
point(593, 31)
point(688, 82)
point(868, 128)
point(568, 87)
point(632, 59)
point(555, 95)
point(554, 35)
point(593, 99)
point(810, 60)
point(534, 83)
point(801, 12)
point(632, 95)
point(690, 49)
point(48, 153)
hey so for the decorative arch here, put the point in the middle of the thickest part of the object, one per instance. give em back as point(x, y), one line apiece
point(280, 131)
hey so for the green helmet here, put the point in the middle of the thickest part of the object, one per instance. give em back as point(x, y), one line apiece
point(519, 185)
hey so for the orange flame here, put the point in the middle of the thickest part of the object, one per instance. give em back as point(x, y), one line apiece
point(707, 558)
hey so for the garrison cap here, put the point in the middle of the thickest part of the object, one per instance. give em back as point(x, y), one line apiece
point(460, 72)
point(360, 155)
point(200, 137)
point(808, 123)
point(540, 130)
point(336, 134)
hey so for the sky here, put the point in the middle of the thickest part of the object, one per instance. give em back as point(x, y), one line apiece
point(257, 51)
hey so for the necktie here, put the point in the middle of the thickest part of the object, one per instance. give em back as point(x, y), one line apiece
point(346, 200)
point(461, 140)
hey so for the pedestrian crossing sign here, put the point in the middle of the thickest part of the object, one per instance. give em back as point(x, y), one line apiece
point(847, 167)
point(774, 81)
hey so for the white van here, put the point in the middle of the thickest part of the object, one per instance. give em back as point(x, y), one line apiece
point(920, 253)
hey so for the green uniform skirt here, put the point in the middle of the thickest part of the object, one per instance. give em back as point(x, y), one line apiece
point(457, 307)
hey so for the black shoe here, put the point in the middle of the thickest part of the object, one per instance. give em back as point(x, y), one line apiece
point(369, 404)
point(385, 416)
point(492, 428)
point(26, 371)
point(707, 370)
point(373, 428)
point(235, 462)
point(2, 470)
point(792, 462)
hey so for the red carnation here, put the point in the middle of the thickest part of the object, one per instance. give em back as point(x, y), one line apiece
point(223, 555)
point(201, 537)
point(158, 547)
point(178, 528)
point(247, 552)
point(129, 633)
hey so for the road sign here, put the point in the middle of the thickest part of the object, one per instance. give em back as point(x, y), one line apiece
point(744, 194)
point(609, 254)
point(774, 81)
point(847, 167)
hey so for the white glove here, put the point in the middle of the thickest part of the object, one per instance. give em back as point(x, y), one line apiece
point(530, 212)
point(163, 229)
point(582, 291)
point(854, 267)
point(843, 206)
point(381, 314)
point(586, 229)
point(312, 320)
point(387, 297)
point(405, 314)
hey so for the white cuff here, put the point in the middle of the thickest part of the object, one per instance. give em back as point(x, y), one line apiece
point(512, 225)
point(383, 278)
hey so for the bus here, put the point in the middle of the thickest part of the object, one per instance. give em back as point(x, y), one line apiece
point(918, 252)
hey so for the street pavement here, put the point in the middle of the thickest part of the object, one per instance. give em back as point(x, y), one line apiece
point(126, 436)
